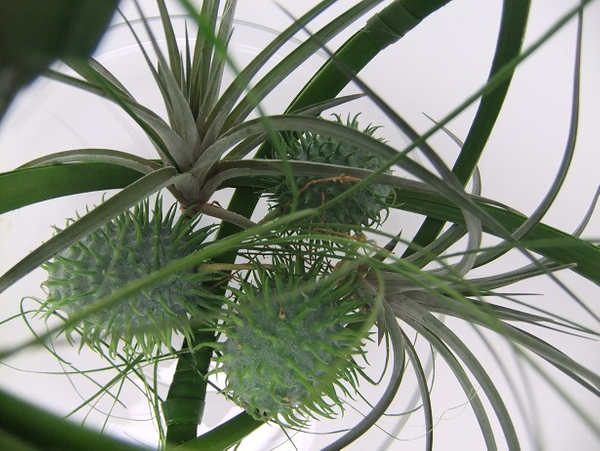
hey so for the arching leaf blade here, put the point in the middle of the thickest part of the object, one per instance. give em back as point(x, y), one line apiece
point(24, 187)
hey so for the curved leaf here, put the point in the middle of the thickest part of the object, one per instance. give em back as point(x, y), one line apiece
point(329, 81)
point(23, 187)
point(508, 46)
point(378, 410)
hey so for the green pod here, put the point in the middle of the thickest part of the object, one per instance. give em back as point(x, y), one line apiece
point(282, 357)
point(363, 208)
point(133, 245)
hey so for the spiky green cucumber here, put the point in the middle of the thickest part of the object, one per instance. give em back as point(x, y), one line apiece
point(131, 246)
point(289, 349)
point(363, 208)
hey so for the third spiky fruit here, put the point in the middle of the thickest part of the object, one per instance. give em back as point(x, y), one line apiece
point(289, 346)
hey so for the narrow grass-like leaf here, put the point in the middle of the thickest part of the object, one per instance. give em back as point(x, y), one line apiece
point(561, 247)
point(590, 420)
point(229, 98)
point(108, 156)
point(175, 62)
point(508, 47)
point(90, 69)
point(354, 138)
point(564, 249)
point(227, 170)
point(537, 215)
point(329, 81)
point(493, 83)
point(529, 341)
point(378, 410)
point(180, 115)
point(314, 43)
point(443, 341)
point(381, 30)
point(423, 389)
point(199, 71)
point(219, 57)
point(161, 134)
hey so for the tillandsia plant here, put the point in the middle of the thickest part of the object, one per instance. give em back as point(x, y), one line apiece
point(303, 300)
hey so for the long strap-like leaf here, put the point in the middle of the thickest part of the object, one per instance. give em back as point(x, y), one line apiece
point(24, 187)
point(510, 39)
point(24, 426)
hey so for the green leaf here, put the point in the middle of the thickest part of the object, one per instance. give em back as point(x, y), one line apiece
point(220, 58)
point(178, 109)
point(378, 410)
point(175, 62)
point(508, 46)
point(554, 244)
point(489, 316)
point(462, 377)
point(34, 428)
point(221, 112)
point(383, 29)
point(439, 334)
point(23, 187)
point(561, 175)
point(33, 34)
point(171, 147)
point(329, 81)
point(423, 389)
point(108, 156)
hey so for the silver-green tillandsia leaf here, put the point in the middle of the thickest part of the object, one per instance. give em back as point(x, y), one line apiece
point(397, 341)
point(115, 157)
point(219, 120)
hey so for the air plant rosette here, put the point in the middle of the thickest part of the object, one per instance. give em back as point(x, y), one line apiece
point(283, 302)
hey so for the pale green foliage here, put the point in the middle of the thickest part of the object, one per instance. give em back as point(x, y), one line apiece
point(294, 329)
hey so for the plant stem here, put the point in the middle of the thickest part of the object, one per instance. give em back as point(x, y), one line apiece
point(184, 406)
point(225, 435)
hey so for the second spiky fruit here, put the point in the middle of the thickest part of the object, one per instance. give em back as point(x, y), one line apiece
point(290, 348)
